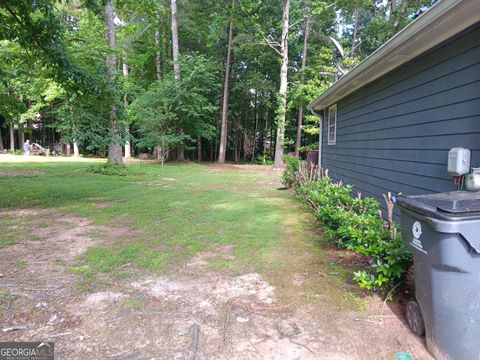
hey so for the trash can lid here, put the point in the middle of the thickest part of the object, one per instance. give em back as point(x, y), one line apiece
point(455, 205)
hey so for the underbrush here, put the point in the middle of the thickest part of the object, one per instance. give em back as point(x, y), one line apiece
point(111, 169)
point(353, 223)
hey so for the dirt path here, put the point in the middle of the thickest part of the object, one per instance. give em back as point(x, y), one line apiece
point(300, 309)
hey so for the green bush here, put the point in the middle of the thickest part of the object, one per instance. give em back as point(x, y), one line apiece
point(263, 160)
point(353, 223)
point(110, 169)
point(292, 165)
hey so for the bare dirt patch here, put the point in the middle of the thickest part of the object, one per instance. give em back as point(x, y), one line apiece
point(100, 203)
point(35, 283)
point(20, 173)
point(153, 316)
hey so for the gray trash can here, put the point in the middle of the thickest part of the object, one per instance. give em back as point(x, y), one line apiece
point(443, 233)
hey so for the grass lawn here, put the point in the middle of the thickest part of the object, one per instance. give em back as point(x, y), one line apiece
point(174, 211)
point(122, 261)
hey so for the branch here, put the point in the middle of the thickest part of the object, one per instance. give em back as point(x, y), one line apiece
point(273, 47)
point(265, 38)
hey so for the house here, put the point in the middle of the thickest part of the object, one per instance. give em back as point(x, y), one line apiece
point(388, 124)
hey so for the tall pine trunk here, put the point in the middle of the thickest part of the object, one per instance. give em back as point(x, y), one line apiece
point(175, 49)
point(158, 64)
point(282, 93)
point(355, 31)
point(115, 149)
point(128, 148)
point(224, 126)
point(176, 65)
point(298, 143)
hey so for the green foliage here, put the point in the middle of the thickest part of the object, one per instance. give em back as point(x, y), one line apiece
point(263, 160)
point(292, 165)
point(111, 169)
point(170, 113)
point(353, 223)
point(53, 56)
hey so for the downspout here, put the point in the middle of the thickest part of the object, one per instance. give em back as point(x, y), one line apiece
point(319, 135)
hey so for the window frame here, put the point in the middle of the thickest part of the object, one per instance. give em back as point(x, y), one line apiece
point(330, 125)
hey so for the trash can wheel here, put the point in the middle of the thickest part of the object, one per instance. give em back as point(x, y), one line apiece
point(415, 318)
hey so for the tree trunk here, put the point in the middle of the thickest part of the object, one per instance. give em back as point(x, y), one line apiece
point(265, 134)
point(12, 138)
point(298, 143)
point(355, 31)
point(128, 150)
point(224, 126)
point(393, 5)
point(76, 152)
point(282, 94)
point(199, 149)
point(69, 151)
point(175, 51)
point(176, 65)
point(115, 149)
point(254, 137)
point(158, 64)
point(21, 136)
point(1, 141)
point(164, 40)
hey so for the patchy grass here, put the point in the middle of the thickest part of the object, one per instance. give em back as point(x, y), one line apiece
point(219, 262)
point(175, 212)
point(6, 297)
point(9, 231)
point(199, 210)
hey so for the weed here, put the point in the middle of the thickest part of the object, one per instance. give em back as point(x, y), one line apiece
point(20, 264)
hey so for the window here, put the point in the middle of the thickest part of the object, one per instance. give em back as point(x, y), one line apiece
point(332, 125)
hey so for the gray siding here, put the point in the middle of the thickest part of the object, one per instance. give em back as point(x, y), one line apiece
point(394, 134)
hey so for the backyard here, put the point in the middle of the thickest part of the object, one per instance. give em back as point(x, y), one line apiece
point(181, 261)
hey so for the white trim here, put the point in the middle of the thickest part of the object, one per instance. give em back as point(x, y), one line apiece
point(329, 125)
point(442, 21)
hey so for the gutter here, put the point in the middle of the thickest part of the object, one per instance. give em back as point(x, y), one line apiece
point(442, 21)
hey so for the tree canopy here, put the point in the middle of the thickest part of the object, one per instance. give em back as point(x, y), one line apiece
point(69, 76)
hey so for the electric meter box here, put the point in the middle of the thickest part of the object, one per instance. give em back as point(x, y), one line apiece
point(458, 161)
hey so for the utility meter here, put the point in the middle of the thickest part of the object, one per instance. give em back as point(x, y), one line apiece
point(458, 161)
point(472, 181)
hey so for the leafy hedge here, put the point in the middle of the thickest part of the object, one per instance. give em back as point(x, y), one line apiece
point(354, 223)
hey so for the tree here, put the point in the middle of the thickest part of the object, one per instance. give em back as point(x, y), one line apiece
point(175, 51)
point(62, 45)
point(282, 93)
point(226, 91)
point(167, 107)
point(298, 142)
point(115, 148)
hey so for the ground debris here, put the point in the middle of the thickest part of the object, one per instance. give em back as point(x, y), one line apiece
point(13, 328)
point(192, 353)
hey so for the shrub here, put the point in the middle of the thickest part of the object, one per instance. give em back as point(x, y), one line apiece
point(110, 169)
point(263, 160)
point(354, 223)
point(292, 165)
